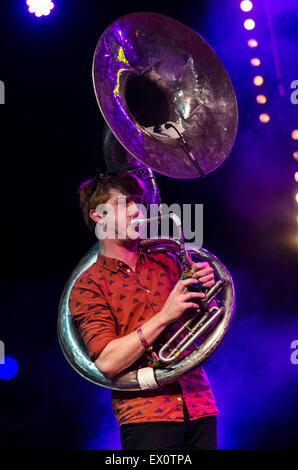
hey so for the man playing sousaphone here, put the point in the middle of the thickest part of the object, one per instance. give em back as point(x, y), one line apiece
point(123, 304)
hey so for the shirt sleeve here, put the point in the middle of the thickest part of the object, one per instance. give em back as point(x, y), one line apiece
point(92, 316)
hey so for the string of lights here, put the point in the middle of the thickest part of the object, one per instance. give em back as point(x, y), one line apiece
point(294, 136)
point(258, 80)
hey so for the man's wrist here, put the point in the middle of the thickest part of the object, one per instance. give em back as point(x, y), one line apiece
point(163, 318)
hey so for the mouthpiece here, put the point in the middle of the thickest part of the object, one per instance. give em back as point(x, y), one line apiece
point(171, 215)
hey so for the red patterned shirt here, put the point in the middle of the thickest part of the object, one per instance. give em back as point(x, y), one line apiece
point(108, 301)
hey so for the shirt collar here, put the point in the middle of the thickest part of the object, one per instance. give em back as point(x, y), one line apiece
point(113, 264)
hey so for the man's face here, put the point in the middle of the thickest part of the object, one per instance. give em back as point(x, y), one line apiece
point(116, 216)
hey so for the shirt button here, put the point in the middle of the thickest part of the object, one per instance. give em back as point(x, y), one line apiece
point(147, 290)
point(128, 270)
point(120, 264)
point(179, 399)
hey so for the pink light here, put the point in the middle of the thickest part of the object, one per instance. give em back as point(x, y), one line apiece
point(264, 118)
point(40, 7)
point(258, 80)
point(255, 61)
point(252, 43)
point(261, 99)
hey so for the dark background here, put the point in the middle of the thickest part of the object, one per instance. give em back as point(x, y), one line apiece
point(51, 141)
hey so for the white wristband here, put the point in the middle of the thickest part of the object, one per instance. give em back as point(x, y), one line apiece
point(146, 378)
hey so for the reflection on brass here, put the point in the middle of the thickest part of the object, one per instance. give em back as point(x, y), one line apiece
point(150, 70)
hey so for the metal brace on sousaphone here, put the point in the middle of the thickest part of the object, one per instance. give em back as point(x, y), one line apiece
point(169, 102)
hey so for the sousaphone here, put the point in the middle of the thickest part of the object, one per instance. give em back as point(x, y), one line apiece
point(170, 107)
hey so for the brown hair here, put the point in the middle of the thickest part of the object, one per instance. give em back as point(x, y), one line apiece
point(96, 191)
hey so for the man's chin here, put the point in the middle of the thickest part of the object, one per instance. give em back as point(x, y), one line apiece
point(133, 234)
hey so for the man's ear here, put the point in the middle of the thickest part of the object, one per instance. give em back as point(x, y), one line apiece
point(94, 216)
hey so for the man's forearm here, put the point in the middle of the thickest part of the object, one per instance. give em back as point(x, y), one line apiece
point(120, 353)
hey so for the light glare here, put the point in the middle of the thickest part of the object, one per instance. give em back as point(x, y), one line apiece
point(9, 368)
point(249, 24)
point(246, 5)
point(252, 43)
point(258, 80)
point(261, 99)
point(40, 7)
point(264, 118)
point(255, 61)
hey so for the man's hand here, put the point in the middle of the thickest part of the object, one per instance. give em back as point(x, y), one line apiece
point(203, 272)
point(179, 300)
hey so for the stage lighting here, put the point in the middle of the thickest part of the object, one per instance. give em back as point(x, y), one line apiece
point(295, 154)
point(258, 80)
point(261, 99)
point(252, 43)
point(296, 176)
point(246, 5)
point(9, 369)
point(296, 197)
point(40, 7)
point(295, 134)
point(264, 118)
point(249, 24)
point(255, 61)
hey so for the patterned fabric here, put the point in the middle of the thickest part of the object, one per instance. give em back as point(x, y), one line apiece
point(108, 301)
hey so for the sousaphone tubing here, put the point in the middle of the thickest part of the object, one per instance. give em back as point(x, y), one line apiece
point(170, 107)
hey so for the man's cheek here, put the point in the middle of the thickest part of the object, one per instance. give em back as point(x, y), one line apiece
point(132, 232)
point(122, 227)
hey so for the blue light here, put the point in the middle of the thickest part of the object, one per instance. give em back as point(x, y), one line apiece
point(9, 369)
point(40, 7)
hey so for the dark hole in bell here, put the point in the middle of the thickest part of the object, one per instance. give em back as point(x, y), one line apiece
point(146, 101)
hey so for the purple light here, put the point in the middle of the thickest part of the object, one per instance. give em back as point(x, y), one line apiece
point(40, 7)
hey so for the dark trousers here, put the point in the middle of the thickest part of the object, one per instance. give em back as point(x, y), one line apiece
point(199, 434)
